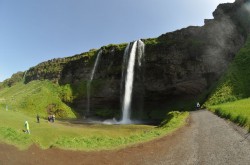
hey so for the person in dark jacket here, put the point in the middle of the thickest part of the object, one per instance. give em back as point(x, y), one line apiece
point(38, 118)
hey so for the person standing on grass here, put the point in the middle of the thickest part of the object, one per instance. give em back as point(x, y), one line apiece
point(53, 118)
point(38, 118)
point(26, 125)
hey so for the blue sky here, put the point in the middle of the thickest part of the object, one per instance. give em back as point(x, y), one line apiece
point(33, 31)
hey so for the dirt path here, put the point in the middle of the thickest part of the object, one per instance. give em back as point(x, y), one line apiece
point(207, 139)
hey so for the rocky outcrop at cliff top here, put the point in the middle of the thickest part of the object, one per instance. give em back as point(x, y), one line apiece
point(178, 65)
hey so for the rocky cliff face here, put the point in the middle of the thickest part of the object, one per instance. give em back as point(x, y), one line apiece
point(180, 65)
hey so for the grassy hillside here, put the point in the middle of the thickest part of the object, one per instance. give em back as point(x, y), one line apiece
point(229, 98)
point(237, 111)
point(36, 97)
point(79, 136)
point(235, 83)
point(51, 69)
point(15, 78)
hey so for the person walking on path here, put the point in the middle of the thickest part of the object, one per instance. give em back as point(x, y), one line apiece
point(26, 125)
point(198, 106)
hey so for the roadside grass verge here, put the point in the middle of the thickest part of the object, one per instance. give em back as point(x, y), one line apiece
point(237, 111)
point(66, 135)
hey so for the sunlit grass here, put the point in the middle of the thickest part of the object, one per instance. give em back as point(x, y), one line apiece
point(237, 111)
point(34, 98)
point(78, 136)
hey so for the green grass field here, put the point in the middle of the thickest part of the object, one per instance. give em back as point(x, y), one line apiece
point(65, 135)
point(237, 111)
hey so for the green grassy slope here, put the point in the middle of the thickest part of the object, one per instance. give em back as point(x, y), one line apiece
point(236, 111)
point(235, 83)
point(229, 99)
point(36, 97)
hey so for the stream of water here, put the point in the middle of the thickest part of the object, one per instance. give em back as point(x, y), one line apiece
point(90, 80)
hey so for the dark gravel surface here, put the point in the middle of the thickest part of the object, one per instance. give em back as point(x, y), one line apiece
point(210, 140)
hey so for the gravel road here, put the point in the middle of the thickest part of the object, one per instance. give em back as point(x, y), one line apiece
point(207, 139)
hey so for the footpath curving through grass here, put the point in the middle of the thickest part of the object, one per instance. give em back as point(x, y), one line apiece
point(70, 136)
point(237, 111)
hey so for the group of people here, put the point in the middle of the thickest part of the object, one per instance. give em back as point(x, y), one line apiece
point(51, 118)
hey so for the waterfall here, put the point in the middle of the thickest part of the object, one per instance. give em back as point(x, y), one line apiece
point(141, 49)
point(90, 80)
point(124, 66)
point(128, 75)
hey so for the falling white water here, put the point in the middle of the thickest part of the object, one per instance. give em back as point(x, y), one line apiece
point(126, 105)
point(124, 66)
point(90, 80)
point(141, 49)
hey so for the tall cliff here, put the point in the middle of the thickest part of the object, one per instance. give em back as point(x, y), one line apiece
point(179, 67)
